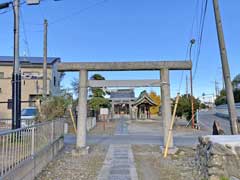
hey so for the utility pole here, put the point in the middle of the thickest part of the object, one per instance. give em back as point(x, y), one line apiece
point(216, 88)
point(191, 83)
point(223, 84)
point(45, 59)
point(187, 86)
point(226, 70)
point(16, 79)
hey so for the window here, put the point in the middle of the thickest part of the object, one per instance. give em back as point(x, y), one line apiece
point(9, 103)
point(1, 75)
point(54, 81)
point(29, 112)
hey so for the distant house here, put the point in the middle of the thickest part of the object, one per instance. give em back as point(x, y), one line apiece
point(121, 101)
point(142, 105)
point(32, 81)
point(124, 102)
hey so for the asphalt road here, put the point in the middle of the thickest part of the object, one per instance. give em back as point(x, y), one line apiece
point(121, 136)
point(206, 120)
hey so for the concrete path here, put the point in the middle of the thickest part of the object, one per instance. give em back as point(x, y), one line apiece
point(119, 164)
point(122, 127)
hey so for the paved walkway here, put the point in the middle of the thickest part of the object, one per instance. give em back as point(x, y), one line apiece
point(119, 164)
point(122, 127)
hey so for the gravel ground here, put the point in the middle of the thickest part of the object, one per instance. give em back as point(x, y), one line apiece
point(75, 167)
point(110, 128)
point(155, 127)
point(151, 165)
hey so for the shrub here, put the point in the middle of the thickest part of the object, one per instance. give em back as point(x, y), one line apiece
point(54, 107)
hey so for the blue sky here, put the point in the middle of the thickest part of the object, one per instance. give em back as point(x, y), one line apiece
point(128, 30)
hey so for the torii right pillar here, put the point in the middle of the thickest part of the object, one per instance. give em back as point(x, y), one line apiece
point(166, 106)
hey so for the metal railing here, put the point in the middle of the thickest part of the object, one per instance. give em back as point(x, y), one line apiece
point(7, 123)
point(22, 144)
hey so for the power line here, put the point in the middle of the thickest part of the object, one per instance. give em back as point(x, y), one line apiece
point(194, 19)
point(10, 8)
point(182, 74)
point(4, 12)
point(70, 15)
point(67, 17)
point(202, 23)
point(25, 39)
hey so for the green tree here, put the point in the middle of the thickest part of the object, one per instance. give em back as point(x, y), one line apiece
point(236, 94)
point(222, 99)
point(54, 107)
point(96, 91)
point(98, 99)
point(184, 106)
point(97, 95)
point(236, 81)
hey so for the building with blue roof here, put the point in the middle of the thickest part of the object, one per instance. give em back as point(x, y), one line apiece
point(32, 81)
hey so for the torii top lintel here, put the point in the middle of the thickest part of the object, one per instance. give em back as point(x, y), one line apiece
point(124, 66)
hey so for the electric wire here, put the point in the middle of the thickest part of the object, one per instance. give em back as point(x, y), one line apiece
point(25, 39)
point(67, 17)
point(4, 12)
point(194, 21)
point(200, 37)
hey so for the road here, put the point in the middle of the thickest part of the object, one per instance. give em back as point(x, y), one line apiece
point(206, 120)
point(122, 136)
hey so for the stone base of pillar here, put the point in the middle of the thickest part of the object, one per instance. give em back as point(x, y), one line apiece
point(171, 150)
point(81, 151)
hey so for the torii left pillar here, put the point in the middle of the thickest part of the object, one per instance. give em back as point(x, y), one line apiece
point(166, 107)
point(82, 110)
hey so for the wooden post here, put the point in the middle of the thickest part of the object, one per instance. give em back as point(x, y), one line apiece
point(74, 125)
point(171, 127)
point(104, 122)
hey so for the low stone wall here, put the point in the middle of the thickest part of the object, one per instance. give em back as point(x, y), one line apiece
point(31, 167)
point(218, 156)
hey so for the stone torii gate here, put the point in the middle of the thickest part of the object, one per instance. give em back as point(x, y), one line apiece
point(84, 83)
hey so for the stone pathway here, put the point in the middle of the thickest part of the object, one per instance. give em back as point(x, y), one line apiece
point(122, 127)
point(119, 164)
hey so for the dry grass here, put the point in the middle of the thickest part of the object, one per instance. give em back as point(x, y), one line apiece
point(151, 165)
point(72, 167)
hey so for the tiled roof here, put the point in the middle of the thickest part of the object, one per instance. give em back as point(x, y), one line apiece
point(144, 98)
point(28, 60)
point(122, 93)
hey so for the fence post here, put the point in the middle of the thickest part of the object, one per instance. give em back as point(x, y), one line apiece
point(33, 141)
point(52, 131)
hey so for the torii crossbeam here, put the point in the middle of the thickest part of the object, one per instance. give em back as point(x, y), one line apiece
point(84, 67)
